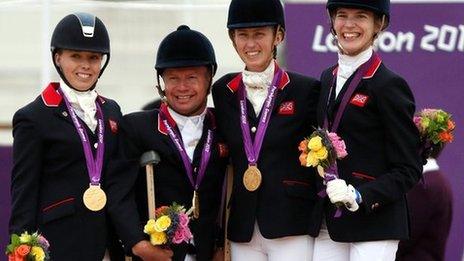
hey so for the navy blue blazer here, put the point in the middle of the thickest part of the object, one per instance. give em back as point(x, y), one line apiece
point(50, 176)
point(383, 162)
point(141, 132)
point(283, 204)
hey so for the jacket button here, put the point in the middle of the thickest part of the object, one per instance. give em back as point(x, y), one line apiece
point(375, 205)
point(253, 129)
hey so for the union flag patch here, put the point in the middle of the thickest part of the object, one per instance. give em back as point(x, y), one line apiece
point(113, 126)
point(359, 100)
point(287, 108)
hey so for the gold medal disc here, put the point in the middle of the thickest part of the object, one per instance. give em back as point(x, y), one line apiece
point(252, 178)
point(196, 205)
point(94, 198)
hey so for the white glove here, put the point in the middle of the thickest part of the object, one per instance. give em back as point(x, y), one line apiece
point(339, 192)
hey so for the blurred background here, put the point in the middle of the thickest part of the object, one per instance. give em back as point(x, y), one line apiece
point(137, 27)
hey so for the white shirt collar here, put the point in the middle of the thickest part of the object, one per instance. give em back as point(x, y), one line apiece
point(181, 120)
point(83, 104)
point(348, 64)
point(259, 80)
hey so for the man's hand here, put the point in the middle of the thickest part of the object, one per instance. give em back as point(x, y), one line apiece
point(148, 252)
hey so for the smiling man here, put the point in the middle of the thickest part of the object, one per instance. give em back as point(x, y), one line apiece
point(183, 132)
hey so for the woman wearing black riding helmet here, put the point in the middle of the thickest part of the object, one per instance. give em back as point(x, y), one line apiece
point(263, 113)
point(63, 141)
point(371, 109)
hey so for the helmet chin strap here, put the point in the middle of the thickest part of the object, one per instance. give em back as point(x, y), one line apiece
point(161, 92)
point(60, 72)
point(70, 85)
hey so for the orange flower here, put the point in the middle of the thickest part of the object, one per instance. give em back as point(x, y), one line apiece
point(22, 251)
point(451, 125)
point(303, 146)
point(302, 158)
point(160, 210)
point(445, 136)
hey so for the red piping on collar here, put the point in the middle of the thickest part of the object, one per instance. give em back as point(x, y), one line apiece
point(161, 127)
point(370, 72)
point(234, 84)
point(50, 96)
point(164, 109)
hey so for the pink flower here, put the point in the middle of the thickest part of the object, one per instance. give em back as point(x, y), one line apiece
point(178, 236)
point(183, 220)
point(338, 144)
point(43, 242)
point(187, 234)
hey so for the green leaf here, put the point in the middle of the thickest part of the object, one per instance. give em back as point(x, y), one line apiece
point(9, 249)
point(15, 239)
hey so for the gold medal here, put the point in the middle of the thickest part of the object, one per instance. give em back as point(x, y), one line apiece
point(252, 178)
point(196, 205)
point(94, 198)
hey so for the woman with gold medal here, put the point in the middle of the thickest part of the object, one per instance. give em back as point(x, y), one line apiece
point(63, 141)
point(263, 113)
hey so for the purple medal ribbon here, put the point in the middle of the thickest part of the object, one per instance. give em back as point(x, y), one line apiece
point(252, 149)
point(332, 171)
point(94, 165)
point(205, 154)
point(349, 92)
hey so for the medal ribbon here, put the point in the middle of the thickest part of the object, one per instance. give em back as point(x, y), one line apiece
point(331, 172)
point(94, 165)
point(348, 93)
point(205, 154)
point(252, 149)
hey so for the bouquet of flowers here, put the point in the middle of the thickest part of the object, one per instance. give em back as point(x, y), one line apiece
point(321, 150)
point(435, 128)
point(28, 247)
point(170, 226)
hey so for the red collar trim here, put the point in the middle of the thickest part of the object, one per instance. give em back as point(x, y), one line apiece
point(374, 67)
point(370, 72)
point(161, 126)
point(164, 109)
point(234, 84)
point(50, 96)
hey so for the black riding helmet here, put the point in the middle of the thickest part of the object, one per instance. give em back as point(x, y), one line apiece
point(184, 48)
point(80, 32)
point(379, 7)
point(255, 13)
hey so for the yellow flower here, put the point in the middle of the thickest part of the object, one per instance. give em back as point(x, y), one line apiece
point(322, 154)
point(162, 223)
point(149, 228)
point(38, 253)
point(315, 143)
point(425, 122)
point(25, 238)
point(311, 160)
point(158, 238)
